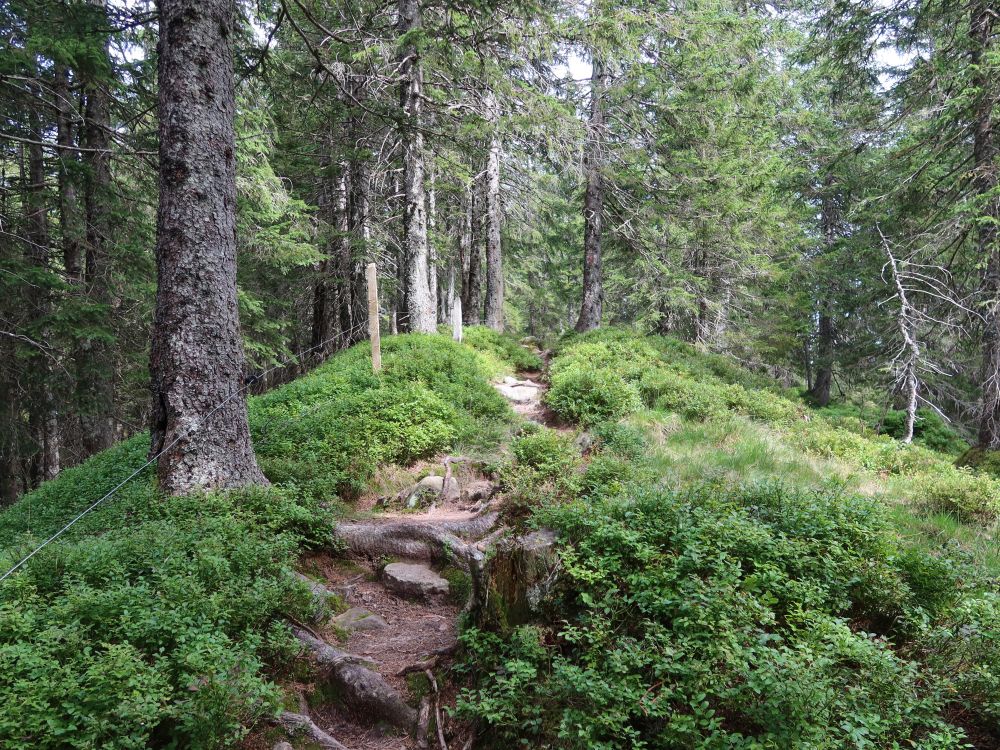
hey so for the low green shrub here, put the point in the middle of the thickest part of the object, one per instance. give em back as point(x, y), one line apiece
point(156, 628)
point(965, 650)
point(155, 621)
point(985, 461)
point(590, 396)
point(620, 439)
point(628, 358)
point(328, 431)
point(547, 452)
point(709, 619)
point(968, 495)
point(929, 430)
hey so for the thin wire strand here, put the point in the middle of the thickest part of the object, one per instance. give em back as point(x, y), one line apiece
point(186, 433)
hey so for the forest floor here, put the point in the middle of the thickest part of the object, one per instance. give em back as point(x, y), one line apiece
point(402, 599)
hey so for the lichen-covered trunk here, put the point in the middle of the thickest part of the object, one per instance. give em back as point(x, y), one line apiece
point(432, 258)
point(985, 180)
point(321, 303)
point(44, 421)
point(197, 363)
point(70, 224)
point(820, 391)
point(473, 284)
point(421, 316)
point(494, 262)
point(95, 359)
point(826, 333)
point(593, 202)
point(359, 232)
point(345, 309)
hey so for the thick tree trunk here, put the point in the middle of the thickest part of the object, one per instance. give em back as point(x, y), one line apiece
point(320, 329)
point(825, 339)
point(197, 363)
point(826, 335)
point(421, 316)
point(44, 421)
point(344, 311)
point(332, 291)
point(73, 230)
point(95, 359)
point(985, 180)
point(494, 262)
point(432, 259)
point(360, 236)
point(473, 284)
point(593, 202)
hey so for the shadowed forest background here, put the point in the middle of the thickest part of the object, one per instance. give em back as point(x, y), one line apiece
point(757, 167)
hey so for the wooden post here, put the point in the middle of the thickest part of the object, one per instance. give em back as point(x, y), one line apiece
point(456, 320)
point(373, 328)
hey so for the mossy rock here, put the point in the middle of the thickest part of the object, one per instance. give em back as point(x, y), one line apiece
point(519, 577)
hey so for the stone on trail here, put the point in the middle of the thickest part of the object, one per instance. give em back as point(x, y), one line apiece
point(428, 489)
point(481, 489)
point(519, 392)
point(358, 618)
point(414, 581)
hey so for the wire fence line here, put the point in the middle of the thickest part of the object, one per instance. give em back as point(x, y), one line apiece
point(186, 432)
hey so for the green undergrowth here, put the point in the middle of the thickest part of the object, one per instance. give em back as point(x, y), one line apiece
point(158, 622)
point(503, 347)
point(729, 579)
point(603, 376)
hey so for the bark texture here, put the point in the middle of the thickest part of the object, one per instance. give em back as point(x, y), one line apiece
point(985, 185)
point(494, 261)
point(197, 362)
point(360, 237)
point(96, 359)
point(821, 388)
point(593, 202)
point(44, 417)
point(69, 210)
point(826, 333)
point(472, 285)
point(419, 304)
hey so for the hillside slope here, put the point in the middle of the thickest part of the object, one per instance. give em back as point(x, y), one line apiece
point(738, 571)
point(160, 621)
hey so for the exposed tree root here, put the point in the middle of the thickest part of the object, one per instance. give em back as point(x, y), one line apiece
point(423, 721)
point(302, 723)
point(362, 691)
point(433, 539)
point(437, 709)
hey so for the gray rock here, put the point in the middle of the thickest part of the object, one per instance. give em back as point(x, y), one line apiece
point(358, 618)
point(414, 581)
point(585, 442)
point(283, 746)
point(519, 393)
point(428, 490)
point(481, 489)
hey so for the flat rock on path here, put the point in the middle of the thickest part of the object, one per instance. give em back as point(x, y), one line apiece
point(414, 581)
point(359, 618)
point(519, 391)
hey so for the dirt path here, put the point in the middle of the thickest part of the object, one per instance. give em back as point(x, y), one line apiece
point(409, 570)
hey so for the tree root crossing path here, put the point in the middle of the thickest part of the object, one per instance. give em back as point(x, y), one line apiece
point(375, 675)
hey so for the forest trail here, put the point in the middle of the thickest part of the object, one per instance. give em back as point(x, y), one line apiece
point(413, 565)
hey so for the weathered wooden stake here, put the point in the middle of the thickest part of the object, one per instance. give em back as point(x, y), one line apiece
point(456, 319)
point(373, 328)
